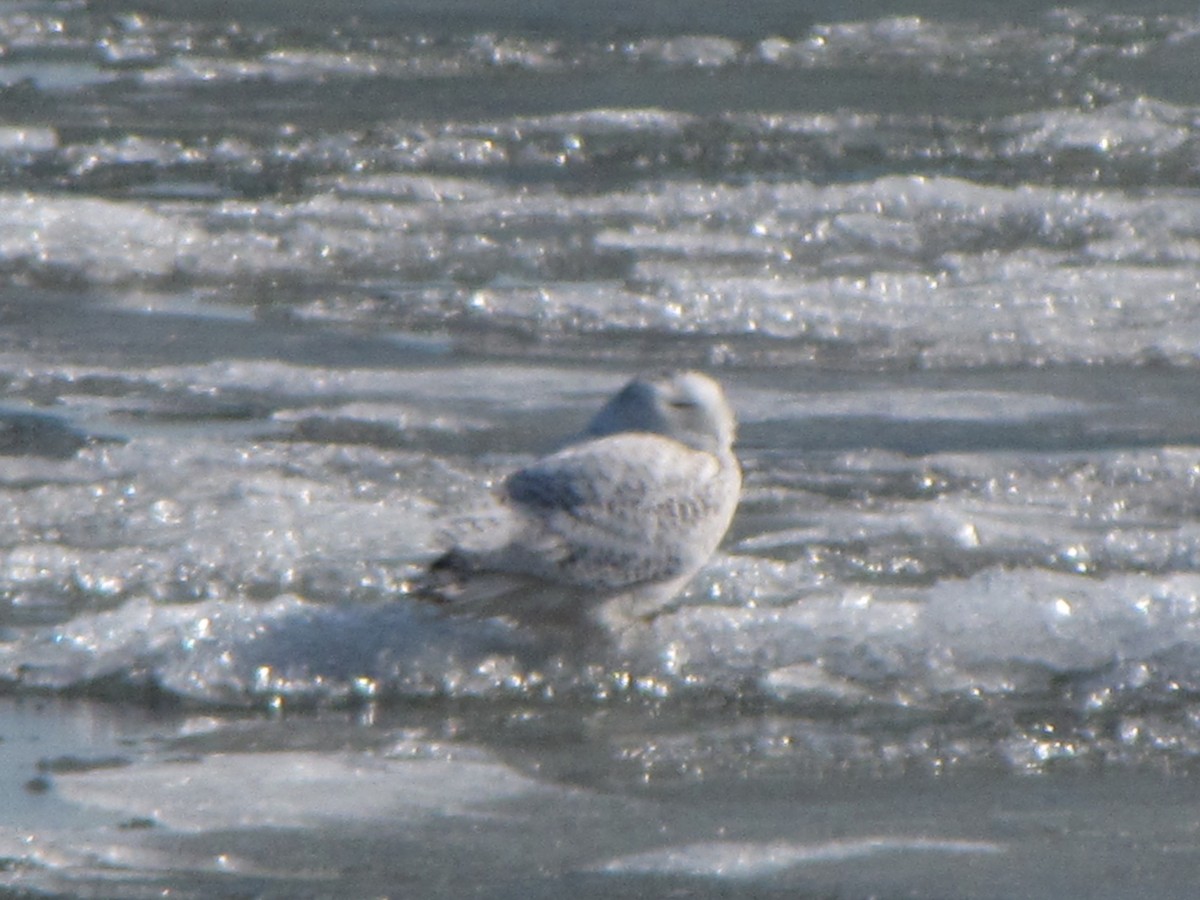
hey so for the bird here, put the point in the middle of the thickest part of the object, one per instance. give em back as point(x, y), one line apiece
point(606, 531)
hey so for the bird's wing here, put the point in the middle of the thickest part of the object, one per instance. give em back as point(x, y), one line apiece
point(628, 512)
point(614, 512)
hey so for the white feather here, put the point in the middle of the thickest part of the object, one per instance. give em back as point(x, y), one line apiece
point(619, 520)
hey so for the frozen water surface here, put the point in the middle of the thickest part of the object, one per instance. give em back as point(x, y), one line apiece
point(281, 288)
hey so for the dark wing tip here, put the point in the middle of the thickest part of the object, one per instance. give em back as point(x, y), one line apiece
point(441, 582)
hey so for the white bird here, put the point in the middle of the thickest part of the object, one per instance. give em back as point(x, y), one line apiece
point(609, 529)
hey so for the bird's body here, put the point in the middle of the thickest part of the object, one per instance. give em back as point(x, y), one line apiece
point(611, 527)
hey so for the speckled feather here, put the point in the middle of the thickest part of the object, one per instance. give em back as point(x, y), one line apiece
point(632, 510)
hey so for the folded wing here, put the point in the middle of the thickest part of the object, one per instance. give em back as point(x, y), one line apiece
point(594, 519)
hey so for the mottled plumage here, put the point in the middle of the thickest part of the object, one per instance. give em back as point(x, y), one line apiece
point(612, 526)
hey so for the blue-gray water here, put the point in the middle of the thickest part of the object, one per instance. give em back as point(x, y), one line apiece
point(281, 283)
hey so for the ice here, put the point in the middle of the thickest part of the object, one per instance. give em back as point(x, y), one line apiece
point(1142, 127)
point(691, 50)
point(296, 790)
point(939, 271)
point(251, 572)
point(1062, 622)
point(256, 653)
point(517, 52)
point(999, 633)
point(910, 405)
point(214, 524)
point(67, 860)
point(366, 423)
point(279, 574)
point(176, 817)
point(281, 286)
point(733, 860)
point(743, 279)
point(610, 121)
point(15, 139)
point(108, 240)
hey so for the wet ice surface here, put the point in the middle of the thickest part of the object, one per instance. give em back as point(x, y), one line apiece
point(306, 807)
point(891, 638)
point(967, 557)
point(274, 299)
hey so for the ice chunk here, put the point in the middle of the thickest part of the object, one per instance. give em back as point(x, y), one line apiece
point(295, 790)
point(738, 860)
point(17, 139)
